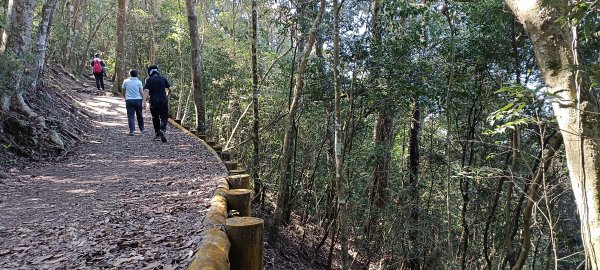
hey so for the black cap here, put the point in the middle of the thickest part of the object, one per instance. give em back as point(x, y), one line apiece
point(153, 70)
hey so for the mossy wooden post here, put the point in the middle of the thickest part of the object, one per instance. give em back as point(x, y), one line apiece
point(236, 172)
point(240, 200)
point(239, 181)
point(231, 165)
point(246, 236)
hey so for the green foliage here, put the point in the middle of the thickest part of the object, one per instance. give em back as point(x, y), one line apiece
point(512, 114)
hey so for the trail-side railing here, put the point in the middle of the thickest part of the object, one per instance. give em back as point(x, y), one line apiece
point(232, 238)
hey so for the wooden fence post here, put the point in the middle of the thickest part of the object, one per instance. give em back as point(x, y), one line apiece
point(240, 200)
point(246, 237)
point(239, 181)
point(231, 165)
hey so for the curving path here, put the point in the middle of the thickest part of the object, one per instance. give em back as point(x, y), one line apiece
point(117, 202)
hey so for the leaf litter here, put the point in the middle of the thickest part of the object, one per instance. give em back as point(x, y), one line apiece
point(117, 201)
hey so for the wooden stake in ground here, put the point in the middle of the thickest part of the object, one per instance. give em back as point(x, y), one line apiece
point(240, 200)
point(246, 237)
point(231, 165)
point(239, 181)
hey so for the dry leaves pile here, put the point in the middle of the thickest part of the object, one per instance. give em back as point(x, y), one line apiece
point(118, 202)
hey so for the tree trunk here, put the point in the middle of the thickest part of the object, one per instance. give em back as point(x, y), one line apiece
point(508, 224)
point(449, 130)
point(339, 163)
point(151, 21)
point(383, 137)
point(80, 12)
point(4, 92)
point(120, 50)
point(329, 109)
point(283, 196)
point(554, 144)
point(76, 9)
point(69, 44)
point(187, 106)
point(413, 160)
point(576, 110)
point(44, 33)
point(196, 66)
point(9, 10)
point(19, 22)
point(256, 122)
point(181, 72)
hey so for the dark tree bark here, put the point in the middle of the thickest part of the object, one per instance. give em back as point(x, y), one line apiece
point(413, 163)
point(256, 120)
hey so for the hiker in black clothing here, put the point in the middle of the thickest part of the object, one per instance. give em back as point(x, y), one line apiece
point(98, 70)
point(158, 89)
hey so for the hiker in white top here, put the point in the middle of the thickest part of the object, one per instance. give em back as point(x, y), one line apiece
point(135, 101)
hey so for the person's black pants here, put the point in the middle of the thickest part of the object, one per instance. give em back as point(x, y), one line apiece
point(99, 80)
point(134, 108)
point(160, 116)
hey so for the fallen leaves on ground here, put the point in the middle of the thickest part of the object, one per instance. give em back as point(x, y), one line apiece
point(118, 202)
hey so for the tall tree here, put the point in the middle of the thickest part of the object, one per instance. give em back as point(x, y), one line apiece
point(576, 109)
point(384, 124)
point(413, 166)
point(339, 163)
point(256, 118)
point(152, 21)
point(282, 209)
point(120, 48)
point(77, 12)
point(42, 44)
point(196, 66)
point(9, 10)
point(17, 40)
point(180, 55)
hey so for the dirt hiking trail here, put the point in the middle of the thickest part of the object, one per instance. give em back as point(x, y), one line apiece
point(116, 202)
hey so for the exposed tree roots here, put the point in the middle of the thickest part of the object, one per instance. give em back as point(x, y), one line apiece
point(42, 124)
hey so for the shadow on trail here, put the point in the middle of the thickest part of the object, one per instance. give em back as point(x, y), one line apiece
point(118, 201)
